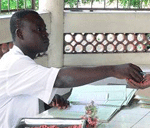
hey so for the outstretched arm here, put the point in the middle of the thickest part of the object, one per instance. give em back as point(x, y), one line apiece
point(77, 76)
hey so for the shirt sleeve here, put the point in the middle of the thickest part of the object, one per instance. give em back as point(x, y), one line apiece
point(25, 77)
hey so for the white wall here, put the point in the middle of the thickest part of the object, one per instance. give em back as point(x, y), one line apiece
point(106, 22)
point(5, 35)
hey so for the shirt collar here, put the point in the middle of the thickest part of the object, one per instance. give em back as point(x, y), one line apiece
point(17, 49)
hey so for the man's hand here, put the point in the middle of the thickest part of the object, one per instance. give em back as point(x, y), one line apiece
point(144, 84)
point(59, 101)
point(129, 71)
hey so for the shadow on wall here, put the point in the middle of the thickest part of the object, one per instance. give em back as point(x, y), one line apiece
point(5, 47)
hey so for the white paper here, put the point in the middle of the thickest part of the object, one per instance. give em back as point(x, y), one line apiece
point(101, 95)
point(108, 100)
point(104, 114)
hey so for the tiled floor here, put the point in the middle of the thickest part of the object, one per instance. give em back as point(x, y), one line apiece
point(133, 116)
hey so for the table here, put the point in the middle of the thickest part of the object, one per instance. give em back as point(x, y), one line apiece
point(132, 116)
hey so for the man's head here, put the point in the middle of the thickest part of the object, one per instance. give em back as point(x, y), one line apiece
point(16, 20)
point(29, 32)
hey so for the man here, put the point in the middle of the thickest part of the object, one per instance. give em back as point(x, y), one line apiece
point(23, 81)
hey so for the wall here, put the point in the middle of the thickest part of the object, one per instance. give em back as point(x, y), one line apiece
point(106, 22)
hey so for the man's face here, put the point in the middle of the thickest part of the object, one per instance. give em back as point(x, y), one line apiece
point(34, 33)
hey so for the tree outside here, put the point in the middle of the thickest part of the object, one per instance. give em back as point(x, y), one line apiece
point(121, 3)
point(12, 4)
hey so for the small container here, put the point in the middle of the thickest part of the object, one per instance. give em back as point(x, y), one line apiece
point(59, 122)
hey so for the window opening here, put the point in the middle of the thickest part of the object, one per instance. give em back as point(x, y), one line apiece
point(92, 5)
point(7, 6)
point(78, 43)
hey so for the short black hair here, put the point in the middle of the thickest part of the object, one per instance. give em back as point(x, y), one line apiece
point(17, 18)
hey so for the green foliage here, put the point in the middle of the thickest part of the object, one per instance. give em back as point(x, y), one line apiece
point(132, 3)
point(12, 4)
point(73, 3)
point(124, 3)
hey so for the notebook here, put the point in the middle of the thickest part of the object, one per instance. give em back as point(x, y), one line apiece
point(108, 100)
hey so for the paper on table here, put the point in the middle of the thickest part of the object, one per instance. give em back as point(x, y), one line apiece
point(101, 95)
point(73, 111)
point(108, 100)
point(143, 100)
point(105, 113)
point(130, 93)
point(87, 97)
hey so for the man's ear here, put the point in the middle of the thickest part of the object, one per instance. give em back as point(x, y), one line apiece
point(18, 33)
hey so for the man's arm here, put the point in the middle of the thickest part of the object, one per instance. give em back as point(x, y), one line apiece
point(66, 96)
point(77, 76)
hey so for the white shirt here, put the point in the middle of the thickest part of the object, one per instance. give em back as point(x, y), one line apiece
point(22, 83)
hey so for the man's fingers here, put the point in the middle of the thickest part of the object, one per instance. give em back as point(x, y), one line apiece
point(136, 68)
point(60, 102)
point(136, 76)
point(135, 73)
point(131, 84)
point(135, 84)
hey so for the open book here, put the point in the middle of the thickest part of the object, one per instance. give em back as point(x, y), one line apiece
point(107, 95)
point(108, 100)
